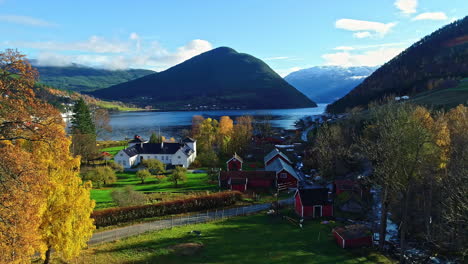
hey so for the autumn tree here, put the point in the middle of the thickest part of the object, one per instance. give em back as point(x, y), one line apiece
point(142, 175)
point(179, 174)
point(156, 167)
point(242, 134)
point(226, 127)
point(196, 122)
point(44, 203)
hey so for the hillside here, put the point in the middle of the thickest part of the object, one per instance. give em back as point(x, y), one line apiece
point(326, 84)
point(81, 78)
point(445, 97)
point(435, 59)
point(218, 79)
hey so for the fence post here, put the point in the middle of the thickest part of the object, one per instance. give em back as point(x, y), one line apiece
point(172, 221)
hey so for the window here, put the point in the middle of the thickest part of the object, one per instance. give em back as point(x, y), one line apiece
point(283, 175)
point(124, 162)
point(178, 157)
point(121, 155)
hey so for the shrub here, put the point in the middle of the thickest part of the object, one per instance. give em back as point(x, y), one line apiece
point(142, 175)
point(155, 166)
point(128, 197)
point(114, 216)
point(116, 166)
point(179, 174)
point(100, 175)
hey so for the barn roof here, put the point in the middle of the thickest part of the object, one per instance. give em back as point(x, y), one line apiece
point(157, 148)
point(352, 231)
point(314, 196)
point(279, 165)
point(237, 157)
point(273, 153)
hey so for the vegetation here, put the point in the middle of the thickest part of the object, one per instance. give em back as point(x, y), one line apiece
point(445, 98)
point(81, 78)
point(247, 239)
point(115, 216)
point(179, 174)
point(41, 194)
point(100, 176)
point(128, 197)
point(83, 132)
point(220, 77)
point(431, 63)
point(142, 175)
point(156, 167)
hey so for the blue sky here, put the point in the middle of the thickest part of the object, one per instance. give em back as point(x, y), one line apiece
point(288, 35)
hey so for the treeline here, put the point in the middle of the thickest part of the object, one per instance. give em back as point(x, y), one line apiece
point(438, 58)
point(420, 164)
point(223, 137)
point(44, 205)
point(114, 216)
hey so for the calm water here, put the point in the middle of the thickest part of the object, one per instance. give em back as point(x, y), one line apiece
point(127, 124)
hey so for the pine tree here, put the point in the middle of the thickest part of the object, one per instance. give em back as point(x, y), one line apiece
point(155, 138)
point(82, 121)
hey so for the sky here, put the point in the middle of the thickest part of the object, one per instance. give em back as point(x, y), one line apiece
point(158, 34)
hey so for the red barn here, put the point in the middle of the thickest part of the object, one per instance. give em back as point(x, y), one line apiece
point(238, 184)
point(234, 163)
point(313, 203)
point(352, 236)
point(274, 155)
point(285, 174)
point(254, 180)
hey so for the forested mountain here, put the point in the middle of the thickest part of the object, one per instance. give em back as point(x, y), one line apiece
point(218, 79)
point(326, 84)
point(82, 78)
point(438, 61)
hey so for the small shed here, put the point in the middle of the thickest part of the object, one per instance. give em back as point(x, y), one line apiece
point(234, 163)
point(313, 203)
point(352, 236)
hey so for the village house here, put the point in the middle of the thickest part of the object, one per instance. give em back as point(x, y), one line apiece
point(313, 202)
point(170, 153)
point(234, 163)
point(276, 154)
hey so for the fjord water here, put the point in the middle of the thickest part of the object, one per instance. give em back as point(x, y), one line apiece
point(126, 124)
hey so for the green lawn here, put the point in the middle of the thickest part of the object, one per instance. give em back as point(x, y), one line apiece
point(195, 182)
point(113, 150)
point(248, 239)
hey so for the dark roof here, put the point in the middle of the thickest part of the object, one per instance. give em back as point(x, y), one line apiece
point(155, 148)
point(315, 196)
point(188, 139)
point(268, 175)
point(353, 231)
point(137, 140)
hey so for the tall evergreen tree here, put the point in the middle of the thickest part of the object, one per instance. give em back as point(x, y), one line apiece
point(82, 121)
point(155, 138)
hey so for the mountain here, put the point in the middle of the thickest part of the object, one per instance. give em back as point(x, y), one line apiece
point(221, 78)
point(81, 78)
point(436, 62)
point(326, 84)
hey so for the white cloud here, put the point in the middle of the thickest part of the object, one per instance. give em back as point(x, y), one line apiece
point(367, 58)
point(276, 58)
point(407, 6)
point(26, 20)
point(379, 29)
point(343, 48)
point(152, 57)
point(431, 16)
point(93, 44)
point(362, 34)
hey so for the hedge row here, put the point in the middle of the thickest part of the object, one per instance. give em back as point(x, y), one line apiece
point(114, 216)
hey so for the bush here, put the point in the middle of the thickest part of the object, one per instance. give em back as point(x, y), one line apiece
point(116, 166)
point(114, 216)
point(128, 197)
point(155, 166)
point(142, 175)
point(179, 174)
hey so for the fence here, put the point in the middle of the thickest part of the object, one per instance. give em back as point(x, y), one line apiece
point(123, 232)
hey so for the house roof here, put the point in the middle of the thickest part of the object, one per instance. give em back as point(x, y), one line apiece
point(137, 140)
point(314, 196)
point(273, 153)
point(279, 165)
point(352, 231)
point(157, 148)
point(237, 157)
point(188, 140)
point(267, 175)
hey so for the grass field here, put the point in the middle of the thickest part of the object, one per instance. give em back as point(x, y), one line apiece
point(248, 239)
point(446, 98)
point(195, 182)
point(113, 150)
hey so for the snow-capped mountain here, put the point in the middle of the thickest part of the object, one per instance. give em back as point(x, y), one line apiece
point(325, 84)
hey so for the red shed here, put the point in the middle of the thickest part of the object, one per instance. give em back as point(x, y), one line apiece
point(234, 163)
point(352, 236)
point(313, 203)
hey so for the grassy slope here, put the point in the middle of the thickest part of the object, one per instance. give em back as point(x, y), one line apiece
point(249, 239)
point(446, 98)
point(113, 150)
point(194, 183)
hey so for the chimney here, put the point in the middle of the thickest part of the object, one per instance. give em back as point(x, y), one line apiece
point(162, 144)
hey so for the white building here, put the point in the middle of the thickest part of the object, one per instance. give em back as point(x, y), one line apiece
point(178, 154)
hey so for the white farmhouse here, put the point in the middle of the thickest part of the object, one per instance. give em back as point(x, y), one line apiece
point(179, 154)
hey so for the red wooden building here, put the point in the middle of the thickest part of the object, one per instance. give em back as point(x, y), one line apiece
point(234, 163)
point(285, 174)
point(247, 180)
point(313, 203)
point(352, 236)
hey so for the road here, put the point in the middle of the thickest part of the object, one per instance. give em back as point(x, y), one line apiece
point(133, 230)
point(305, 133)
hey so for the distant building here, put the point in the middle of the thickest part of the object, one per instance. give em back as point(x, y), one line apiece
point(179, 154)
point(313, 202)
